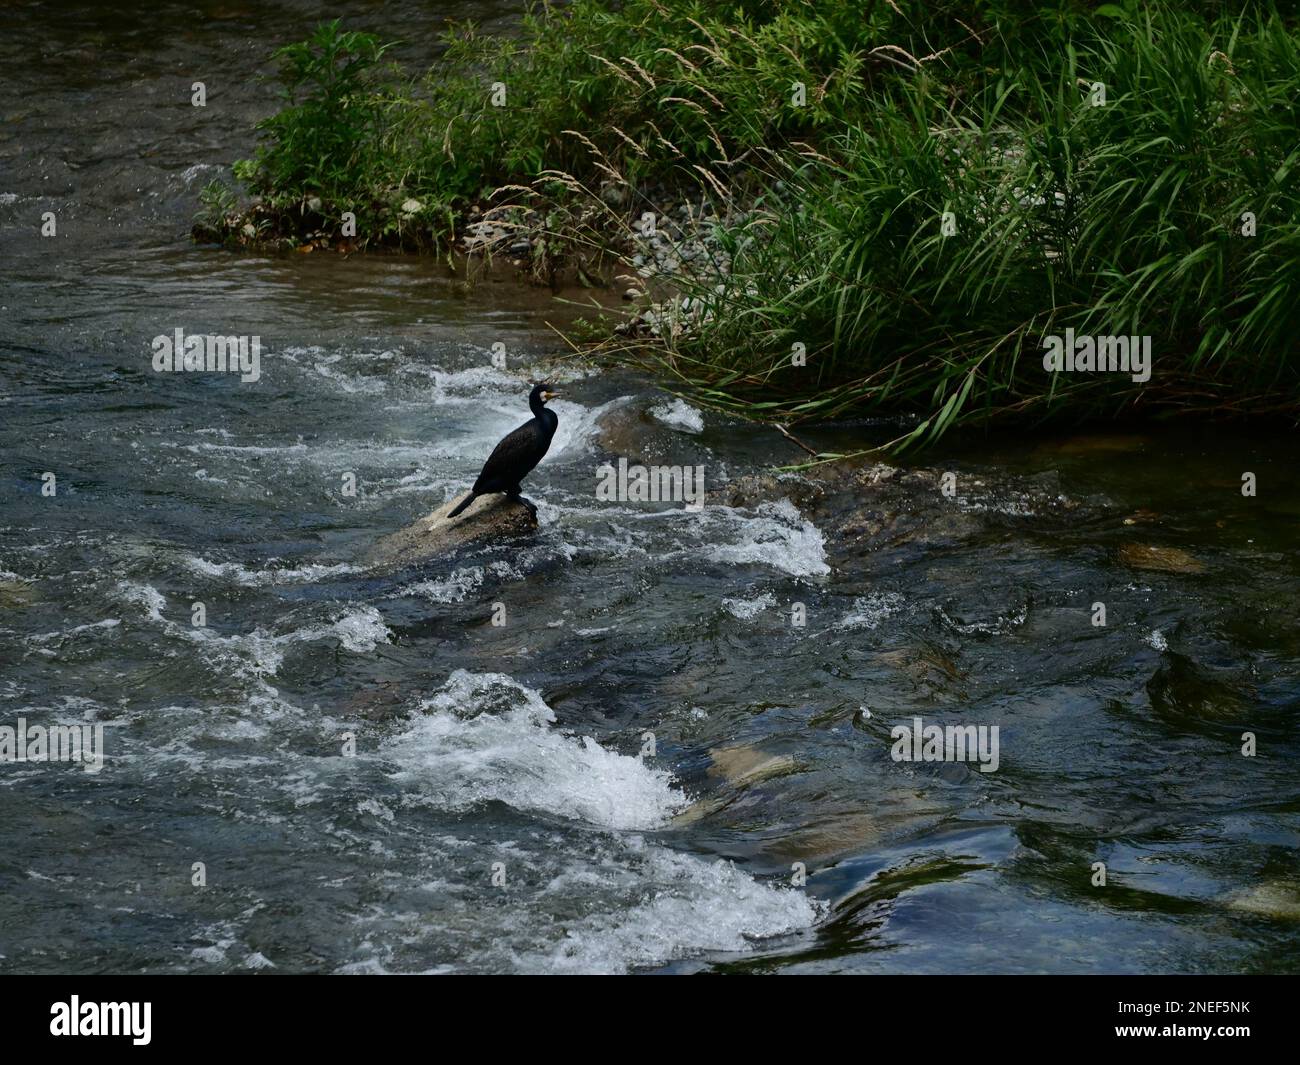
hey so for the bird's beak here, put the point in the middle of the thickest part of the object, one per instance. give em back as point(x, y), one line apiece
point(548, 396)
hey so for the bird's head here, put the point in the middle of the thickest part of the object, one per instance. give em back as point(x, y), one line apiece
point(542, 393)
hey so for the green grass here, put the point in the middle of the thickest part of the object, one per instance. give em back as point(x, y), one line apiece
point(1124, 218)
point(638, 91)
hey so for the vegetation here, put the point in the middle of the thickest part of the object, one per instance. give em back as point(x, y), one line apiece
point(929, 189)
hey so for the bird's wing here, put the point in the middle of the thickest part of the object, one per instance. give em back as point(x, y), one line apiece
point(513, 457)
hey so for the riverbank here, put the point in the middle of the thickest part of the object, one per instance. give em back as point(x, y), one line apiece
point(817, 210)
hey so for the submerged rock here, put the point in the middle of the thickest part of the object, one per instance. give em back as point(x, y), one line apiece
point(751, 489)
point(1163, 559)
point(1189, 695)
point(863, 509)
point(840, 833)
point(745, 765)
point(621, 431)
point(488, 517)
point(638, 434)
point(738, 768)
point(1278, 899)
point(14, 593)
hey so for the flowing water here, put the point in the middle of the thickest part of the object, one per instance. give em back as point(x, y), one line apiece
point(502, 811)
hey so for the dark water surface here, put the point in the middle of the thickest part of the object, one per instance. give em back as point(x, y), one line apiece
point(522, 744)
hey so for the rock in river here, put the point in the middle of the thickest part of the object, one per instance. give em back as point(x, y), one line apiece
point(1163, 559)
point(14, 593)
point(488, 517)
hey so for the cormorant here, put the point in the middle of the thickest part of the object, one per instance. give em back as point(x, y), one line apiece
point(513, 459)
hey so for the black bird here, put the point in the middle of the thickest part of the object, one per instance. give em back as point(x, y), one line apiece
point(514, 458)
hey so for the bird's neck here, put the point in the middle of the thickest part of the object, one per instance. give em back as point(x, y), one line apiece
point(535, 405)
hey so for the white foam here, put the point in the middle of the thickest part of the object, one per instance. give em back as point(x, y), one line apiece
point(259, 654)
point(485, 737)
point(359, 630)
point(240, 574)
point(459, 387)
point(107, 623)
point(452, 588)
point(776, 535)
point(1013, 507)
point(577, 424)
point(696, 906)
point(255, 450)
point(198, 169)
point(999, 626)
point(748, 609)
point(869, 612)
point(144, 595)
point(350, 383)
point(679, 415)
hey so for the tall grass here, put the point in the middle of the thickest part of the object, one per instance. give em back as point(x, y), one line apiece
point(1125, 218)
point(646, 89)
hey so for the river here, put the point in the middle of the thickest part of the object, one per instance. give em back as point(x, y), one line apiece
point(503, 810)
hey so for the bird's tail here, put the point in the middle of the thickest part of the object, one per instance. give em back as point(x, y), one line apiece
point(463, 504)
